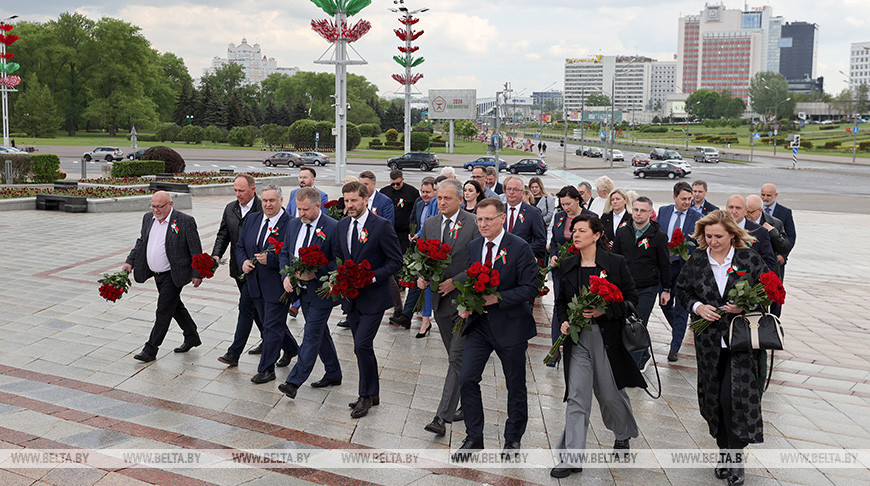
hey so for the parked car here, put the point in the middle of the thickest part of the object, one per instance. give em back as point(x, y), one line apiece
point(706, 154)
point(10, 150)
point(425, 161)
point(137, 155)
point(287, 158)
point(584, 150)
point(640, 160)
point(594, 152)
point(615, 154)
point(315, 158)
point(537, 166)
point(108, 154)
point(659, 169)
point(488, 161)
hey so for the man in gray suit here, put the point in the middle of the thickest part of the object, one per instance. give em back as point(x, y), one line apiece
point(167, 243)
point(456, 228)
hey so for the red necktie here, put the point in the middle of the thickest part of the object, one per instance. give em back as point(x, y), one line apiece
point(489, 246)
point(511, 223)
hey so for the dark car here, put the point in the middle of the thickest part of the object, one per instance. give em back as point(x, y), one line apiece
point(664, 154)
point(537, 166)
point(315, 158)
point(423, 160)
point(660, 169)
point(594, 152)
point(137, 155)
point(286, 158)
point(488, 161)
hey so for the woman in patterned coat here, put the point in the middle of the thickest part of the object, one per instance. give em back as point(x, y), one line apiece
point(729, 394)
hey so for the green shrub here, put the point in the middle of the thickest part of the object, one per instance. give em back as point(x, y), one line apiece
point(831, 144)
point(375, 143)
point(392, 135)
point(146, 137)
point(192, 134)
point(369, 130)
point(327, 139)
point(45, 167)
point(806, 144)
point(301, 133)
point(216, 134)
point(354, 137)
point(173, 160)
point(419, 141)
point(829, 127)
point(20, 167)
point(136, 168)
point(240, 137)
point(864, 145)
point(168, 132)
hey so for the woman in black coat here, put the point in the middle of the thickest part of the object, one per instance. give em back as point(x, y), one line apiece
point(598, 362)
point(729, 392)
point(617, 213)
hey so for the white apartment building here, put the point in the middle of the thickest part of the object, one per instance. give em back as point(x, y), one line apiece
point(633, 83)
point(859, 64)
point(255, 65)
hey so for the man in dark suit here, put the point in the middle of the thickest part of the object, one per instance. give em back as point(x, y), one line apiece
point(264, 280)
point(312, 227)
point(227, 237)
point(671, 217)
point(167, 243)
point(377, 203)
point(523, 219)
point(586, 197)
point(366, 236)
point(505, 327)
point(456, 228)
point(775, 229)
point(699, 198)
point(777, 210)
point(307, 178)
point(403, 197)
point(492, 179)
point(736, 205)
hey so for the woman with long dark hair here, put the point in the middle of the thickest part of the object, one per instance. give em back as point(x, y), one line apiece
point(472, 193)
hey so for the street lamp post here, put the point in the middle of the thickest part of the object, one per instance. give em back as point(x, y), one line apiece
point(854, 117)
point(611, 136)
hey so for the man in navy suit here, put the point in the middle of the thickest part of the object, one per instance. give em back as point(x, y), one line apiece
point(671, 217)
point(505, 327)
point(699, 198)
point(777, 210)
point(307, 177)
point(366, 236)
point(736, 205)
point(312, 227)
point(377, 203)
point(492, 179)
point(523, 219)
point(264, 280)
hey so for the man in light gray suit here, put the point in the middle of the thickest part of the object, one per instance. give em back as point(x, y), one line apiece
point(456, 228)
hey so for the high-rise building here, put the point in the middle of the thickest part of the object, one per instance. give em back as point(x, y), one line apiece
point(255, 65)
point(722, 49)
point(859, 65)
point(633, 83)
point(798, 50)
point(540, 97)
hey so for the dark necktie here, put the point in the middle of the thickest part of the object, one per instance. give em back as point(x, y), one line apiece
point(354, 240)
point(262, 237)
point(769, 210)
point(678, 224)
point(446, 232)
point(307, 239)
point(489, 246)
point(511, 222)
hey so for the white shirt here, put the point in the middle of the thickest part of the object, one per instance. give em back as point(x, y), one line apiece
point(720, 274)
point(247, 207)
point(362, 222)
point(300, 239)
point(672, 225)
point(617, 220)
point(742, 223)
point(272, 222)
point(772, 208)
point(516, 213)
point(371, 201)
point(155, 253)
point(497, 241)
point(452, 220)
point(597, 205)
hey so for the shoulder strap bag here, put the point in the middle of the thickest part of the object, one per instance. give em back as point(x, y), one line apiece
point(635, 337)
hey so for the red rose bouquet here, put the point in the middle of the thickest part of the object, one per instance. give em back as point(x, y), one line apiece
point(428, 259)
point(567, 249)
point(205, 265)
point(346, 280)
point(309, 260)
point(481, 281)
point(768, 290)
point(406, 277)
point(333, 210)
point(679, 245)
point(274, 247)
point(114, 285)
point(599, 293)
point(543, 270)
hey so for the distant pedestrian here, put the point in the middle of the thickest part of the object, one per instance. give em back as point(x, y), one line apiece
point(543, 148)
point(539, 147)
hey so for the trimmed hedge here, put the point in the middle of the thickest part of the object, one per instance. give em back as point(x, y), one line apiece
point(45, 167)
point(173, 161)
point(20, 167)
point(136, 168)
point(829, 127)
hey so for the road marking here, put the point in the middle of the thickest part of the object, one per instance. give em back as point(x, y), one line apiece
point(214, 165)
point(196, 165)
point(233, 167)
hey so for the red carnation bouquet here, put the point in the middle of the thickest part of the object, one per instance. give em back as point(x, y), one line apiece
point(309, 260)
point(205, 265)
point(599, 293)
point(679, 245)
point(114, 285)
point(274, 247)
point(428, 259)
point(333, 210)
point(345, 281)
point(482, 281)
point(768, 290)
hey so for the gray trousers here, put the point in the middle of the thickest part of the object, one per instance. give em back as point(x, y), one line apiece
point(589, 372)
point(446, 316)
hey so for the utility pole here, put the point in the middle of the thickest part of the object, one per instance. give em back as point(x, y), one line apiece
point(497, 135)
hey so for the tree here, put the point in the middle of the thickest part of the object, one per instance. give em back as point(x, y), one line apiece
point(598, 99)
point(844, 103)
point(862, 103)
point(702, 104)
point(394, 116)
point(769, 96)
point(35, 111)
point(465, 128)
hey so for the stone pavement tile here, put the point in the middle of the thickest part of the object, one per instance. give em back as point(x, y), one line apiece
point(96, 439)
point(639, 476)
point(226, 476)
point(162, 419)
point(372, 437)
point(330, 429)
point(74, 476)
point(10, 478)
point(31, 422)
point(802, 476)
point(270, 478)
point(116, 479)
point(435, 479)
point(847, 477)
point(248, 409)
point(203, 429)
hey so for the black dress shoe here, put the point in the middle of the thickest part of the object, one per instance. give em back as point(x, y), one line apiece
point(672, 355)
point(468, 446)
point(737, 477)
point(229, 359)
point(187, 346)
point(401, 320)
point(436, 426)
point(621, 444)
point(325, 382)
point(343, 323)
point(561, 471)
point(722, 470)
point(511, 449)
point(258, 349)
point(284, 361)
point(376, 400)
point(288, 389)
point(145, 357)
point(459, 416)
point(362, 408)
point(264, 377)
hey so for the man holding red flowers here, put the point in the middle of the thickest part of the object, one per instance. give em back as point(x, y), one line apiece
point(165, 248)
point(260, 232)
point(505, 327)
point(365, 236)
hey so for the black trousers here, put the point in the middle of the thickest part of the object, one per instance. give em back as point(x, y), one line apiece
point(169, 306)
point(724, 438)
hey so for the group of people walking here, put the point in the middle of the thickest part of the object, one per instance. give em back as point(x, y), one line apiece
point(514, 228)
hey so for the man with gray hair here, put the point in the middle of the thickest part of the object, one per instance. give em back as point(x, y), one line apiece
point(449, 172)
point(523, 219)
point(586, 198)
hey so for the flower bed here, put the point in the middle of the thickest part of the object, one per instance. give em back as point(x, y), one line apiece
point(231, 176)
point(16, 192)
point(116, 181)
point(98, 192)
point(195, 179)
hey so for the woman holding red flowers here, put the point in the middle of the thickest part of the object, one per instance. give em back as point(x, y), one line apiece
point(729, 388)
point(598, 363)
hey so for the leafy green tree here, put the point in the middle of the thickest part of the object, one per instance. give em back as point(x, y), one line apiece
point(275, 136)
point(241, 137)
point(862, 103)
point(598, 99)
point(35, 109)
point(394, 116)
point(844, 103)
point(353, 136)
point(702, 104)
point(224, 80)
point(769, 96)
point(301, 133)
point(215, 134)
point(192, 134)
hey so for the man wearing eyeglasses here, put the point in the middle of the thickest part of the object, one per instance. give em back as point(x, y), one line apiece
point(523, 219)
point(167, 243)
point(403, 196)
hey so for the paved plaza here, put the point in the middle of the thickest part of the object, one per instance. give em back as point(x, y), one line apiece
point(68, 379)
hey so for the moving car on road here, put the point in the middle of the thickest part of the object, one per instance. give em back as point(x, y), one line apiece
point(284, 158)
point(593, 152)
point(706, 154)
point(640, 160)
point(659, 169)
point(108, 154)
point(537, 166)
point(10, 150)
point(425, 161)
point(664, 154)
point(614, 154)
point(137, 155)
point(488, 161)
point(315, 158)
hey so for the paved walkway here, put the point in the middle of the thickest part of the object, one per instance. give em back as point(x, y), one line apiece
point(68, 379)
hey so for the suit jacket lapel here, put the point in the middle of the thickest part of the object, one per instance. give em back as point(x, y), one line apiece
point(342, 236)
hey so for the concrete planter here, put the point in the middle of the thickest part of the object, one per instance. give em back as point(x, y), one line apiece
point(225, 189)
point(18, 204)
point(135, 203)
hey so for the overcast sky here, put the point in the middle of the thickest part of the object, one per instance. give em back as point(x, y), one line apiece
point(476, 45)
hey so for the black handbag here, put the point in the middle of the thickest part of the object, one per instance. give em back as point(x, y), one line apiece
point(755, 330)
point(635, 336)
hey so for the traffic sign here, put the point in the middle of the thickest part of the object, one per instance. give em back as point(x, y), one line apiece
point(601, 135)
point(855, 129)
point(776, 127)
point(795, 150)
point(317, 136)
point(756, 136)
point(769, 134)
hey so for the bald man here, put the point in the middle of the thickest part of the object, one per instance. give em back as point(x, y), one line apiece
point(777, 210)
point(736, 205)
point(778, 240)
point(167, 243)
